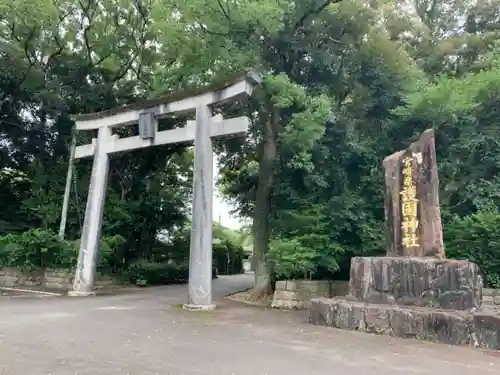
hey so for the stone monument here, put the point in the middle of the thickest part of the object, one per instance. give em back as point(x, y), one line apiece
point(415, 271)
point(413, 217)
point(414, 291)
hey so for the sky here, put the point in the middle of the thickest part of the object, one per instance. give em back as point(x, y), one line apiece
point(221, 208)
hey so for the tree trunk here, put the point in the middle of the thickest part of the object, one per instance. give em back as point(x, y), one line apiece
point(263, 284)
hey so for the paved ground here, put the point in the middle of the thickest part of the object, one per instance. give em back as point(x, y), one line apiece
point(148, 334)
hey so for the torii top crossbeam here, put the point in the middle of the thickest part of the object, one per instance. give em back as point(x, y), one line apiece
point(218, 93)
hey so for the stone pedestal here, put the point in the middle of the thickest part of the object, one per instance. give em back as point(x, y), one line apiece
point(452, 327)
point(427, 282)
point(427, 299)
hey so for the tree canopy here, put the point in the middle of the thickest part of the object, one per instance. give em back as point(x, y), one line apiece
point(346, 83)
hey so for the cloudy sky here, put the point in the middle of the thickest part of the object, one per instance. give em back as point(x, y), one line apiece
point(221, 208)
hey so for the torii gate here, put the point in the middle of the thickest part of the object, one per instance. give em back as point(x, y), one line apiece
point(201, 131)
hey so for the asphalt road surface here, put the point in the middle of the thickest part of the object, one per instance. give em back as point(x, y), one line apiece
point(147, 333)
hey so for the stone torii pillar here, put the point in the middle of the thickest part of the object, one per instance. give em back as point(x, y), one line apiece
point(200, 250)
point(201, 132)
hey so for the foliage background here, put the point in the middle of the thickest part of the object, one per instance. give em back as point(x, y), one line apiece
point(346, 83)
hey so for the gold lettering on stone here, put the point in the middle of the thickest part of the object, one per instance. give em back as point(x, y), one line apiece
point(418, 157)
point(409, 206)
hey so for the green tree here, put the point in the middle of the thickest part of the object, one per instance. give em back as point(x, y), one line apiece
point(345, 84)
point(73, 58)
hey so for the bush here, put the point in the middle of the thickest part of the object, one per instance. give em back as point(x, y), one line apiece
point(42, 248)
point(110, 251)
point(227, 258)
point(476, 238)
point(290, 259)
point(36, 248)
point(144, 273)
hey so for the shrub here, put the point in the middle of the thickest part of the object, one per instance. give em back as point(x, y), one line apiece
point(35, 248)
point(227, 258)
point(42, 248)
point(144, 272)
point(226, 255)
point(476, 238)
point(110, 250)
point(291, 259)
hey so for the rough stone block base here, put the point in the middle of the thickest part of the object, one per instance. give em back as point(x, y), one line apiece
point(295, 294)
point(427, 282)
point(440, 326)
point(13, 278)
point(491, 300)
point(51, 279)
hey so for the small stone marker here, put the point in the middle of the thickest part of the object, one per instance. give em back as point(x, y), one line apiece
point(413, 216)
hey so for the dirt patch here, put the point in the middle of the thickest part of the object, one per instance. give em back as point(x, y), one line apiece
point(243, 297)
